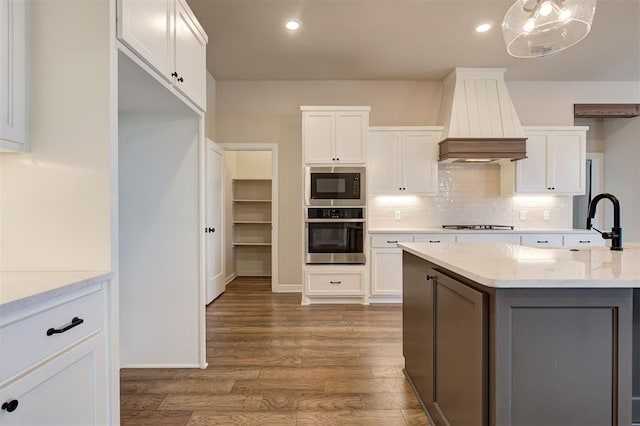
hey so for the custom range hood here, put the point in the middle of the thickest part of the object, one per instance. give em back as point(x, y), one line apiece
point(480, 122)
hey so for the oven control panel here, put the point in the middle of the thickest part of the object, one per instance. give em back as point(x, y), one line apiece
point(335, 213)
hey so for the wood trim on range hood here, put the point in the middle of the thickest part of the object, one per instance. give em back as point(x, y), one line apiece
point(482, 149)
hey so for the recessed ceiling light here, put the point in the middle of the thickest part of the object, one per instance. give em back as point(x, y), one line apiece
point(292, 25)
point(483, 28)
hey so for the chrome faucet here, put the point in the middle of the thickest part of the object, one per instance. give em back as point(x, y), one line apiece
point(616, 232)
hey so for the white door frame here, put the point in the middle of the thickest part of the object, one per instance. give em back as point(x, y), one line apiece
point(275, 282)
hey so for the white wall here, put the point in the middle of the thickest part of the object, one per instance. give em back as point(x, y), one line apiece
point(159, 224)
point(55, 200)
point(551, 102)
point(229, 255)
point(622, 173)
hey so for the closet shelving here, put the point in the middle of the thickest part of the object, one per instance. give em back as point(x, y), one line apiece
point(251, 220)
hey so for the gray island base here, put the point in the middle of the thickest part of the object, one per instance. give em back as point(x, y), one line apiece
point(507, 352)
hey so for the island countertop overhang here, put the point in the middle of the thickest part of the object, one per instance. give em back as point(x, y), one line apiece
point(498, 265)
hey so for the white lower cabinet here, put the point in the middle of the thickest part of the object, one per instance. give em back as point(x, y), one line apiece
point(434, 238)
point(542, 240)
point(53, 361)
point(485, 238)
point(334, 284)
point(68, 390)
point(386, 272)
point(584, 240)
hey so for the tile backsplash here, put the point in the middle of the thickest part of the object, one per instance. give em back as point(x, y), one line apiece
point(470, 194)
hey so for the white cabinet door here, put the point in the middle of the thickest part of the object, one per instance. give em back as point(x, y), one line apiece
point(555, 162)
point(403, 162)
point(190, 56)
point(68, 390)
point(318, 133)
point(350, 137)
point(420, 162)
point(531, 173)
point(384, 164)
point(567, 163)
point(146, 27)
point(334, 137)
point(386, 276)
point(13, 75)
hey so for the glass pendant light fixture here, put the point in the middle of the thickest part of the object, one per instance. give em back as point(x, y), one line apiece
point(534, 28)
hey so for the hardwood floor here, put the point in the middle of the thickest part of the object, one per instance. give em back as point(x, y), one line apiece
point(275, 362)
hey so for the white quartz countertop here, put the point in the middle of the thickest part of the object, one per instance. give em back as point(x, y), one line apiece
point(22, 288)
point(487, 231)
point(509, 266)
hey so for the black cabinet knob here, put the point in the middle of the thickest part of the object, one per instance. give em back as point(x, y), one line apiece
point(181, 80)
point(333, 159)
point(10, 406)
point(174, 74)
point(430, 277)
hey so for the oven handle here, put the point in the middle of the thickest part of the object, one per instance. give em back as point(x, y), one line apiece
point(334, 220)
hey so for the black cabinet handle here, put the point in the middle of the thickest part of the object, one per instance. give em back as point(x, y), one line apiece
point(74, 323)
point(337, 159)
point(10, 406)
point(543, 242)
point(207, 230)
point(434, 241)
point(174, 74)
point(585, 241)
point(333, 159)
point(392, 242)
point(430, 277)
point(335, 282)
point(181, 80)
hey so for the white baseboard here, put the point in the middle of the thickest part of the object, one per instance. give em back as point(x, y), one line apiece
point(287, 288)
point(385, 299)
point(230, 278)
point(194, 365)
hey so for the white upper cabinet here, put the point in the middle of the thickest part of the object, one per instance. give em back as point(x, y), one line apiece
point(13, 76)
point(190, 55)
point(335, 135)
point(167, 36)
point(555, 163)
point(403, 160)
point(146, 26)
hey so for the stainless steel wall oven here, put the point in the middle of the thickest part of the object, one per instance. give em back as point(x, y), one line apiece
point(334, 235)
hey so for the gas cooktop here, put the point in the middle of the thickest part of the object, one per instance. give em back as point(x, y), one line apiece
point(480, 227)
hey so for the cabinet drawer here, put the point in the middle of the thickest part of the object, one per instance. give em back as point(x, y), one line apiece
point(338, 283)
point(542, 240)
point(69, 390)
point(434, 238)
point(25, 341)
point(390, 240)
point(583, 240)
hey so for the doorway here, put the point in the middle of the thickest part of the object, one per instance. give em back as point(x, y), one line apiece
point(251, 212)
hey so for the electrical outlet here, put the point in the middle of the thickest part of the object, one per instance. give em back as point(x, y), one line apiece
point(396, 215)
point(546, 215)
point(523, 214)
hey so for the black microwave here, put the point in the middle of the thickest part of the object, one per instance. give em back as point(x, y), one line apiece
point(335, 186)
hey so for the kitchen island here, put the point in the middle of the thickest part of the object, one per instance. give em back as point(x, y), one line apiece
point(510, 335)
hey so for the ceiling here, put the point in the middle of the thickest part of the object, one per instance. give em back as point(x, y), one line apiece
point(401, 40)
